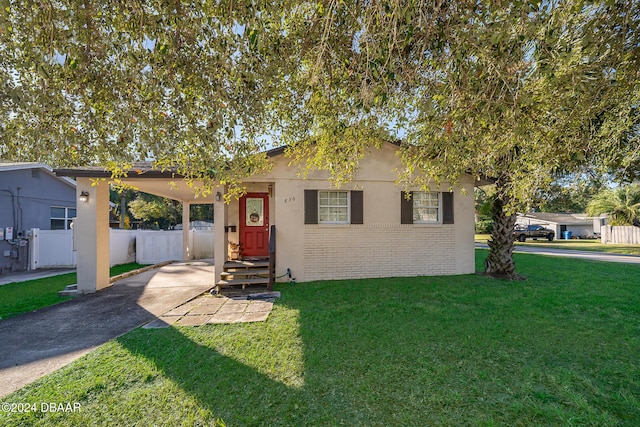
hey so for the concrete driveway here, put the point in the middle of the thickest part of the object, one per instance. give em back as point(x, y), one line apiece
point(37, 343)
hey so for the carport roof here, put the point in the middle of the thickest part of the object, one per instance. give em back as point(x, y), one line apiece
point(146, 177)
point(139, 169)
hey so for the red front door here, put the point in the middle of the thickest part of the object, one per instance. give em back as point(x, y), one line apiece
point(254, 224)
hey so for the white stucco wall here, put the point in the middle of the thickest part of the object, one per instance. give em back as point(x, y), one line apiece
point(381, 247)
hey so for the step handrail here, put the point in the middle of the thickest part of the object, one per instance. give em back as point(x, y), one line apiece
point(272, 257)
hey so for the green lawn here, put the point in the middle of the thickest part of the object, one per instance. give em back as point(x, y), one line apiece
point(574, 244)
point(21, 297)
point(558, 349)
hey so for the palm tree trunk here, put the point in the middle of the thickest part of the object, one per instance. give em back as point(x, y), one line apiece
point(500, 262)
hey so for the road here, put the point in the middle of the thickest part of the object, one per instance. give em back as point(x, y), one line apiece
point(595, 256)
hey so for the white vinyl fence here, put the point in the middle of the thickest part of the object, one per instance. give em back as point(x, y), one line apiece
point(54, 248)
point(122, 246)
point(51, 248)
point(620, 234)
point(153, 247)
point(201, 244)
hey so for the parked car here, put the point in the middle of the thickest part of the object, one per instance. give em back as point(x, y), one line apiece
point(533, 231)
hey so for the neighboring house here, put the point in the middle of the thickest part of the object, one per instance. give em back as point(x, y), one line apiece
point(369, 228)
point(31, 196)
point(580, 225)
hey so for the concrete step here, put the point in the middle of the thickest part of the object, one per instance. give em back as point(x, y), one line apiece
point(244, 281)
point(246, 264)
point(249, 272)
point(69, 291)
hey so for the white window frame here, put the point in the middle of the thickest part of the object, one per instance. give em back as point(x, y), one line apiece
point(67, 218)
point(348, 207)
point(438, 207)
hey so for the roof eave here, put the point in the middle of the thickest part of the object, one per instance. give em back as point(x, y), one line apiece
point(103, 173)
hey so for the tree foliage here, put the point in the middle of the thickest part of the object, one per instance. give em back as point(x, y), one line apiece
point(569, 194)
point(514, 90)
point(110, 83)
point(155, 211)
point(622, 205)
point(152, 211)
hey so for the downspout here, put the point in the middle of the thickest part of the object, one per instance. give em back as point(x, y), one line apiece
point(18, 212)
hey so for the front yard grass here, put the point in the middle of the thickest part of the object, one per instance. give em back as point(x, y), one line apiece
point(558, 349)
point(21, 297)
point(592, 245)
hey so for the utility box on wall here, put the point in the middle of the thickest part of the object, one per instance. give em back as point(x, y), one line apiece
point(8, 233)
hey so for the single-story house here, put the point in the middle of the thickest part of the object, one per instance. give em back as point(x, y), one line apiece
point(579, 224)
point(369, 228)
point(31, 196)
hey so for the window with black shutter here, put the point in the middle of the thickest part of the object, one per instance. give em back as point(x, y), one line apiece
point(426, 207)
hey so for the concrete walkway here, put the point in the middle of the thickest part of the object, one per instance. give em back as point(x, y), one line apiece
point(23, 276)
point(35, 344)
point(206, 308)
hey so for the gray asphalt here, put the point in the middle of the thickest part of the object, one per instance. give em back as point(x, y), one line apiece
point(594, 256)
point(35, 344)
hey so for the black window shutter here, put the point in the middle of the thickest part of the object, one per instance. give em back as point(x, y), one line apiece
point(357, 208)
point(406, 208)
point(447, 208)
point(310, 206)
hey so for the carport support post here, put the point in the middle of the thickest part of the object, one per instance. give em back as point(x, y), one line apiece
point(91, 230)
point(220, 213)
point(186, 253)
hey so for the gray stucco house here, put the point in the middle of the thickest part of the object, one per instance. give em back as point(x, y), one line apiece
point(31, 196)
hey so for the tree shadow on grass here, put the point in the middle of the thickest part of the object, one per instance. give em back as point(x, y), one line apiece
point(230, 390)
point(247, 374)
point(442, 351)
point(262, 374)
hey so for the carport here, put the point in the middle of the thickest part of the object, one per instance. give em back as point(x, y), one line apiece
point(91, 227)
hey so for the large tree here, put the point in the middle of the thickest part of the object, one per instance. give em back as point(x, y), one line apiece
point(516, 91)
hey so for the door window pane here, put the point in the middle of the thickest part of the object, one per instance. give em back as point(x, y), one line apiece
point(254, 211)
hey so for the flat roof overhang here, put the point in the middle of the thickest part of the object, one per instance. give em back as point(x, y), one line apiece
point(145, 178)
